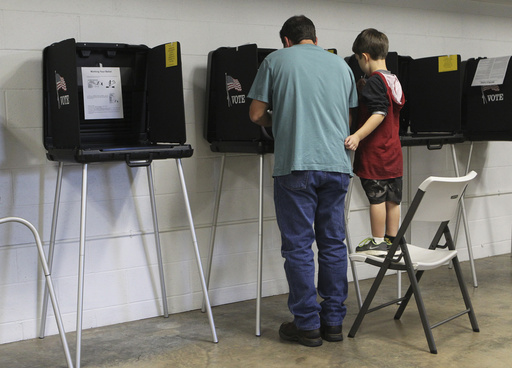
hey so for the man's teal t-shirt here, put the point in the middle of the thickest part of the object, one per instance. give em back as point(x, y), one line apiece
point(310, 91)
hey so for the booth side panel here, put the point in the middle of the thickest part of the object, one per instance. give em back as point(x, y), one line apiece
point(166, 110)
point(60, 97)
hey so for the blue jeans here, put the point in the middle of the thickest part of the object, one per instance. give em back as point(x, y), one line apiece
point(310, 206)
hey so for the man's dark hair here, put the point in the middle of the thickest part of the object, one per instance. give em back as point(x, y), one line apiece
point(298, 28)
point(372, 42)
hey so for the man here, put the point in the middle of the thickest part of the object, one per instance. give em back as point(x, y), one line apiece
point(310, 92)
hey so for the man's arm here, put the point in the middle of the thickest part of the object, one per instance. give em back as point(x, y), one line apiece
point(258, 113)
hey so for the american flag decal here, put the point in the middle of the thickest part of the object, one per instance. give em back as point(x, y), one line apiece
point(494, 88)
point(61, 83)
point(232, 83)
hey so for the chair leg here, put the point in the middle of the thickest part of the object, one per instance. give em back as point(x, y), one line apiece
point(465, 294)
point(367, 301)
point(460, 279)
point(407, 297)
point(421, 309)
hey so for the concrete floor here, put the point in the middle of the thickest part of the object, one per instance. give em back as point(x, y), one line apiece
point(184, 340)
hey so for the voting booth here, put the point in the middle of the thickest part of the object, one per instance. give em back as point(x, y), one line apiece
point(228, 128)
point(432, 86)
point(435, 93)
point(487, 109)
point(110, 102)
point(115, 102)
point(231, 71)
point(398, 65)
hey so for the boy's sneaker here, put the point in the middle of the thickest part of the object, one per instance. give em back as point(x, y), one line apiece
point(397, 252)
point(369, 247)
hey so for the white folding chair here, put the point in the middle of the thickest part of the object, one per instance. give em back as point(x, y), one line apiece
point(49, 282)
point(435, 201)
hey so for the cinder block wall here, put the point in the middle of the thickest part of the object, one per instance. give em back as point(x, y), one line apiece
point(121, 274)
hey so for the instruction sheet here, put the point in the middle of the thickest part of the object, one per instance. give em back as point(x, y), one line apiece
point(103, 95)
point(491, 71)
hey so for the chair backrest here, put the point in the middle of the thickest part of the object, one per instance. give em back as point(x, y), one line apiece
point(441, 197)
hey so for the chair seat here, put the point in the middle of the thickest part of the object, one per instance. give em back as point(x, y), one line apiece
point(422, 259)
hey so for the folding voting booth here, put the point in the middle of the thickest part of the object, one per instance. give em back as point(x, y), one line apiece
point(114, 102)
point(231, 71)
point(228, 129)
point(432, 86)
point(106, 102)
point(435, 94)
point(487, 111)
point(396, 64)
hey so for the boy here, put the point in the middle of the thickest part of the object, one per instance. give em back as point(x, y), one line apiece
point(378, 159)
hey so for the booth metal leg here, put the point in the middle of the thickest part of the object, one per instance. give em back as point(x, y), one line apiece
point(56, 202)
point(408, 232)
point(81, 268)
point(49, 284)
point(157, 240)
point(196, 249)
point(260, 251)
point(214, 226)
point(410, 190)
point(462, 209)
point(349, 243)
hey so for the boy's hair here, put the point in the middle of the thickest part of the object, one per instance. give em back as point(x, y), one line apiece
point(298, 28)
point(372, 42)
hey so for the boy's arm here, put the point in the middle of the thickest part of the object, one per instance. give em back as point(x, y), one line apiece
point(352, 141)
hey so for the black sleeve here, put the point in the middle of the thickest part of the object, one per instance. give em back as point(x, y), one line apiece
point(374, 94)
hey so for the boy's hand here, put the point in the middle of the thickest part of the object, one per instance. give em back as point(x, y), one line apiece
point(352, 142)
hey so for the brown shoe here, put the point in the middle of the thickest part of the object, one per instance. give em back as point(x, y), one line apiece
point(289, 332)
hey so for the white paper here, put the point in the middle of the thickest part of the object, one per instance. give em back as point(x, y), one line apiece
point(491, 72)
point(103, 95)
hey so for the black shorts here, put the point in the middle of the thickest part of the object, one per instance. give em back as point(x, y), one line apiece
point(386, 190)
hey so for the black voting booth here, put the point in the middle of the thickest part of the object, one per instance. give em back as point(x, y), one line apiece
point(115, 102)
point(228, 128)
point(231, 71)
point(487, 110)
point(151, 123)
point(396, 64)
point(432, 87)
point(442, 104)
point(435, 94)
